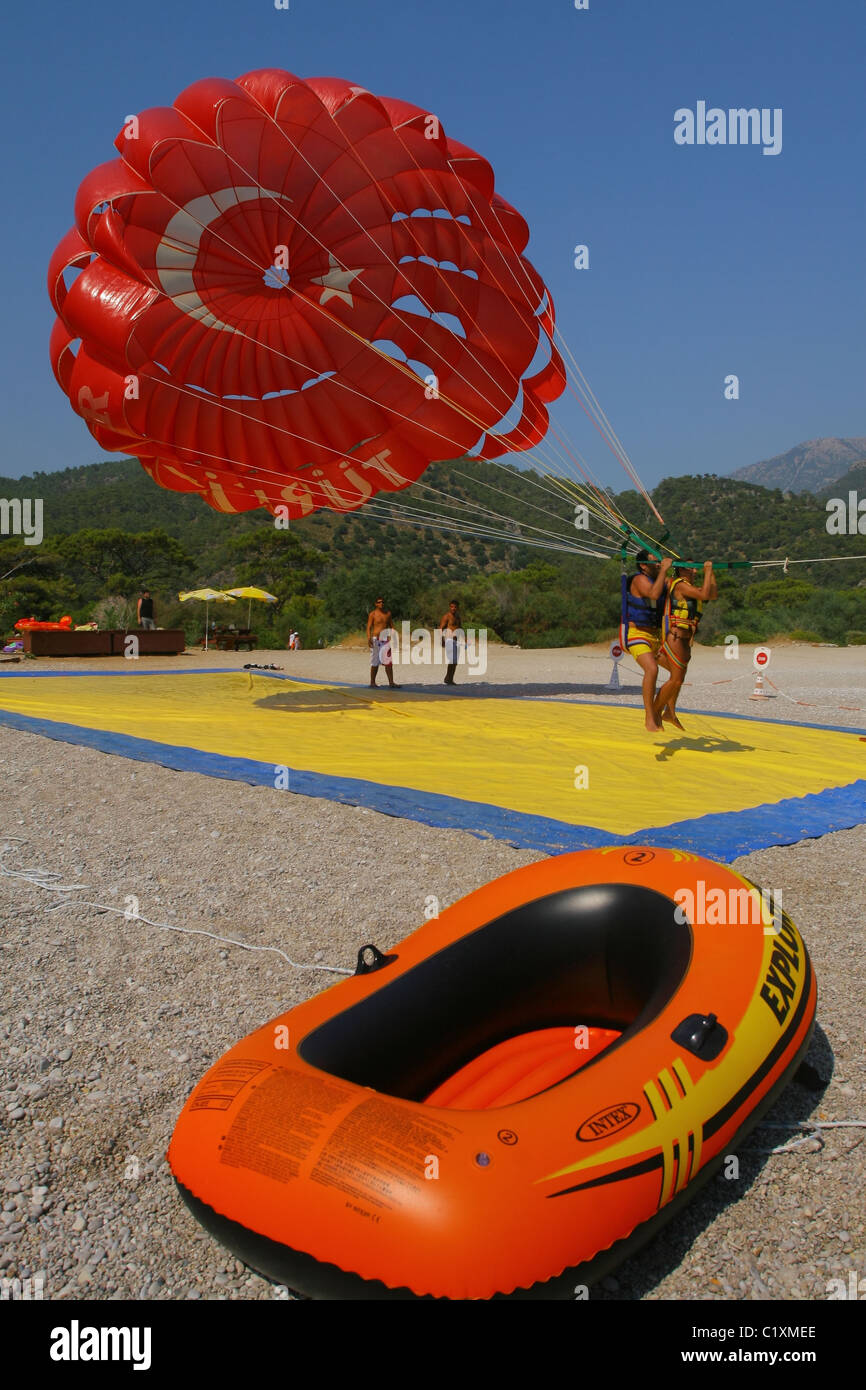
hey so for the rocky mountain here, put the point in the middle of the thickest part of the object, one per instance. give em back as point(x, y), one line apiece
point(810, 467)
point(852, 481)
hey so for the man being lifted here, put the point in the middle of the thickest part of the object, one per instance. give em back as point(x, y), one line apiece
point(642, 605)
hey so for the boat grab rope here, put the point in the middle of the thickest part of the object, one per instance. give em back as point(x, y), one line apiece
point(812, 1136)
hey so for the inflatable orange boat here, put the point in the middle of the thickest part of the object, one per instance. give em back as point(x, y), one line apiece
point(32, 625)
point(514, 1097)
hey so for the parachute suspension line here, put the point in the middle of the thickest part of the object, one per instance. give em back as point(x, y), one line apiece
point(394, 209)
point(391, 361)
point(588, 501)
point(513, 529)
point(501, 516)
point(619, 450)
point(534, 306)
point(265, 473)
point(434, 523)
point(504, 535)
point(467, 415)
point(594, 411)
point(503, 493)
point(407, 372)
point(388, 506)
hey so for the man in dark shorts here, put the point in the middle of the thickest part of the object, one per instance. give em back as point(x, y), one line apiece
point(146, 613)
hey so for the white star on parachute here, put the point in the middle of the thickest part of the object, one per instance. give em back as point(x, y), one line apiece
point(337, 282)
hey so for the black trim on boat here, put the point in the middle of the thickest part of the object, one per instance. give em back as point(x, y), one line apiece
point(609, 955)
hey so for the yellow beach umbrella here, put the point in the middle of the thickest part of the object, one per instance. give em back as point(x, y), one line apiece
point(206, 596)
point(251, 593)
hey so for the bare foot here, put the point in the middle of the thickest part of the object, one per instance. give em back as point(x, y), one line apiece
point(672, 719)
point(653, 728)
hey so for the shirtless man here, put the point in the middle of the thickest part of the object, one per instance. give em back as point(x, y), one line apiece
point(452, 627)
point(379, 642)
point(641, 623)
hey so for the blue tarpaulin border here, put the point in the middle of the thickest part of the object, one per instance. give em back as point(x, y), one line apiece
point(722, 836)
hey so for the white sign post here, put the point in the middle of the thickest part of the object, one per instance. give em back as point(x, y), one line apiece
point(760, 661)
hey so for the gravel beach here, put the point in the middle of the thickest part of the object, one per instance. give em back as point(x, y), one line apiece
point(109, 1021)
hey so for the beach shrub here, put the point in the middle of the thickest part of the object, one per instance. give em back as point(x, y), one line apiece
point(349, 595)
point(114, 612)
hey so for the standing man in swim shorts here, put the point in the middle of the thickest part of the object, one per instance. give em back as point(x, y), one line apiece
point(642, 625)
point(379, 642)
point(682, 615)
point(451, 627)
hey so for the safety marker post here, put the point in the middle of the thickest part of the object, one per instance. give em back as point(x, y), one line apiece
point(616, 656)
point(760, 661)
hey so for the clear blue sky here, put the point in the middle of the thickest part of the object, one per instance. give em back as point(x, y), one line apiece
point(704, 261)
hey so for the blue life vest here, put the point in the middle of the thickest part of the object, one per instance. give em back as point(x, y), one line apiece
point(637, 610)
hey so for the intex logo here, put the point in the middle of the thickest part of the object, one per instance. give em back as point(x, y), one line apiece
point(608, 1121)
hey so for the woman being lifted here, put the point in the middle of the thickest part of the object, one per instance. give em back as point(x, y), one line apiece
point(682, 615)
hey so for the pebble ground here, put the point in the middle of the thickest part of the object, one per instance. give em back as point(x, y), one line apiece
point(108, 1022)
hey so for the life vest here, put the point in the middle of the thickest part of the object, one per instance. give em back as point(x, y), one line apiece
point(637, 610)
point(681, 612)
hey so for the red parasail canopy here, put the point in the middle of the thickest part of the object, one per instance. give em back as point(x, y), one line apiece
point(295, 294)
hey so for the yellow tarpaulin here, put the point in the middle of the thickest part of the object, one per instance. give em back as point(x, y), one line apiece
point(574, 763)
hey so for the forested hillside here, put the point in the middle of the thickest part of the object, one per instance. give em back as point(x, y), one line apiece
point(109, 531)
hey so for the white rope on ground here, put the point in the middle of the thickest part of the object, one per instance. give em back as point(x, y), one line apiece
point(813, 1135)
point(812, 704)
point(47, 879)
point(726, 680)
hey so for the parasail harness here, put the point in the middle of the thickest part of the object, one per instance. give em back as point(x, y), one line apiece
point(637, 611)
